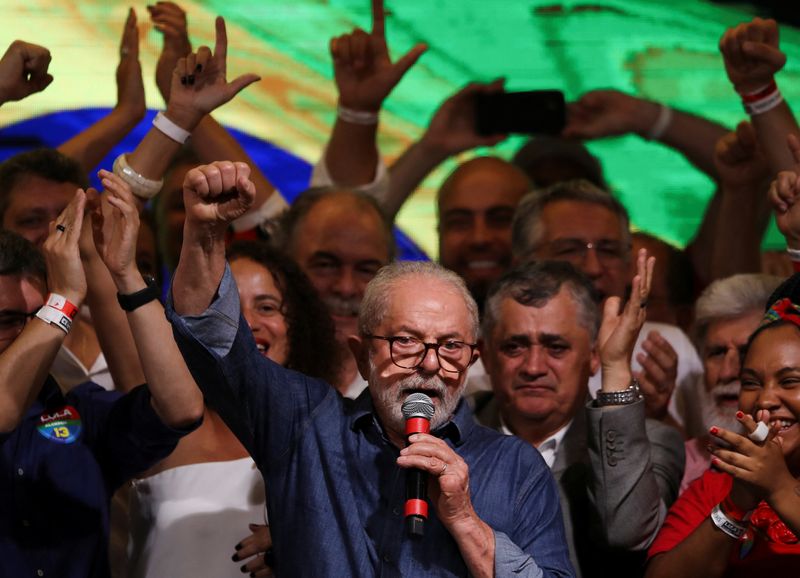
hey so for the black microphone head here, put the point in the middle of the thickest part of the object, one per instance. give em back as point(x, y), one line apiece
point(418, 405)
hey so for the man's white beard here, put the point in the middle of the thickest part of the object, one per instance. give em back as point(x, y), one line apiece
point(389, 400)
point(714, 415)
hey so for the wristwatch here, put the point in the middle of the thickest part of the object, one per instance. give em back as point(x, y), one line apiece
point(142, 297)
point(625, 397)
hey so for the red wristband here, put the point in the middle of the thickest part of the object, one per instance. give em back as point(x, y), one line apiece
point(760, 93)
point(60, 303)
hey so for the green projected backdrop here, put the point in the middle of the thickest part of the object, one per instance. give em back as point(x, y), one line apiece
point(654, 49)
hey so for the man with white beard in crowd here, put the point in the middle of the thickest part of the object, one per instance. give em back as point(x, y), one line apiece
point(727, 312)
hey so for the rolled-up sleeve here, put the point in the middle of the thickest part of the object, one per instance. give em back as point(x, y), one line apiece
point(217, 326)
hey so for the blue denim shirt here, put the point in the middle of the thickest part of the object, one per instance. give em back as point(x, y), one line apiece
point(335, 492)
point(58, 469)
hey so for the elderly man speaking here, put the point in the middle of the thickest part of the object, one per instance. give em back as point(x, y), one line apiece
point(335, 470)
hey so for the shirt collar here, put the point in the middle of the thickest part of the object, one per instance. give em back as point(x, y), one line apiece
point(457, 430)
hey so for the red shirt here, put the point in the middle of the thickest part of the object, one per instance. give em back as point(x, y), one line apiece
point(756, 554)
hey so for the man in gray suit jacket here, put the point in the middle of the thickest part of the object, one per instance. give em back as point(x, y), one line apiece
point(617, 471)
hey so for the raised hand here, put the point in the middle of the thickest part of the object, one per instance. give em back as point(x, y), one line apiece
point(218, 194)
point(199, 82)
point(115, 227)
point(619, 331)
point(65, 274)
point(604, 113)
point(362, 67)
point(23, 71)
point(783, 195)
point(759, 469)
point(452, 128)
point(739, 160)
point(752, 55)
point(130, 88)
point(169, 19)
point(659, 374)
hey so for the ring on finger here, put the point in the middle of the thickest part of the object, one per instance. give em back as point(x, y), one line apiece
point(759, 434)
point(60, 228)
point(643, 303)
point(444, 468)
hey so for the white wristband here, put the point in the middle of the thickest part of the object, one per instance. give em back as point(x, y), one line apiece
point(661, 124)
point(169, 128)
point(794, 254)
point(140, 185)
point(357, 116)
point(765, 104)
point(724, 523)
point(55, 317)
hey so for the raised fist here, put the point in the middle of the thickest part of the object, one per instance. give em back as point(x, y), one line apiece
point(218, 194)
point(23, 71)
point(751, 53)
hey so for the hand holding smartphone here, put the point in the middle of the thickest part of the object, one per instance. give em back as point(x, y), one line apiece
point(528, 112)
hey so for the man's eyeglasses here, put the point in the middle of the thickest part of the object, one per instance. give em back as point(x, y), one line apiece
point(608, 252)
point(409, 352)
point(12, 322)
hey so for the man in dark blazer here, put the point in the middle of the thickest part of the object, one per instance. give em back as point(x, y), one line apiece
point(617, 472)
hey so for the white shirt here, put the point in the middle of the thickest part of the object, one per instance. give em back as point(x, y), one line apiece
point(185, 521)
point(549, 447)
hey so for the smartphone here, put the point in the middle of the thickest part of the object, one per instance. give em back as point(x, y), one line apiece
point(529, 112)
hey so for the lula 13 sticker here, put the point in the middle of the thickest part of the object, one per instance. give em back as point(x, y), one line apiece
point(62, 425)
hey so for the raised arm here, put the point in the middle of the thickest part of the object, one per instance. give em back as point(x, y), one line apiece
point(199, 85)
point(451, 131)
point(90, 146)
point(365, 75)
point(604, 113)
point(25, 363)
point(23, 71)
point(729, 239)
point(214, 196)
point(176, 398)
point(752, 56)
point(210, 140)
point(108, 319)
point(630, 494)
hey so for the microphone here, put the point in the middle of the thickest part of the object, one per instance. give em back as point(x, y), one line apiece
point(417, 410)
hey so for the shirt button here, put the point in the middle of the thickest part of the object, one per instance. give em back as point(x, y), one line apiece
point(40, 572)
point(20, 471)
point(611, 435)
point(612, 461)
point(396, 511)
point(386, 558)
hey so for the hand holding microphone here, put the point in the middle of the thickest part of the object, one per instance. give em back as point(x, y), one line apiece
point(417, 410)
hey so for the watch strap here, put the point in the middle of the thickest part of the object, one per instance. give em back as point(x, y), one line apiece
point(627, 396)
point(135, 300)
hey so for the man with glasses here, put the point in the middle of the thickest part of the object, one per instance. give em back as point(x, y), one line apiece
point(577, 222)
point(335, 468)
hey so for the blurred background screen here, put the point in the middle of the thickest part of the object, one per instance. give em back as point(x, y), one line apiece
point(665, 51)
